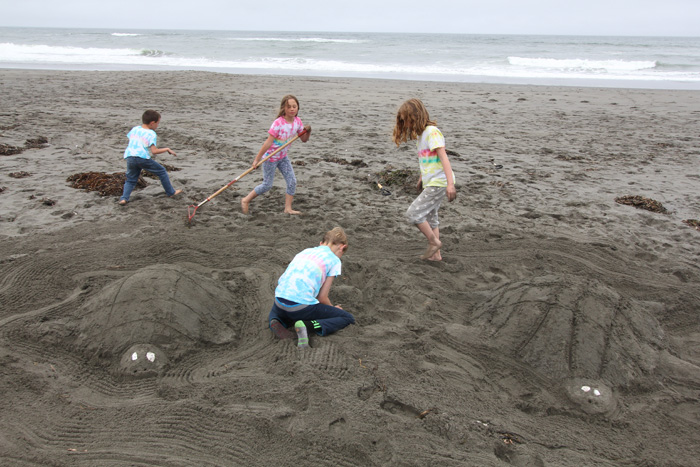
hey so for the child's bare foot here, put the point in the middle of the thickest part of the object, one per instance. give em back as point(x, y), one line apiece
point(436, 257)
point(177, 192)
point(245, 205)
point(291, 211)
point(122, 202)
point(432, 249)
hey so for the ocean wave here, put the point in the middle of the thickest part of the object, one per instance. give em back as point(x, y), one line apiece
point(583, 64)
point(153, 53)
point(48, 53)
point(452, 70)
point(299, 39)
point(125, 34)
point(78, 55)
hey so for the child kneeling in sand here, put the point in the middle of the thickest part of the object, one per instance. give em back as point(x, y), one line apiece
point(142, 145)
point(437, 179)
point(301, 296)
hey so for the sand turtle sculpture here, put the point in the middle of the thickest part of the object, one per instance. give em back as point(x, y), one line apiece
point(574, 330)
point(157, 314)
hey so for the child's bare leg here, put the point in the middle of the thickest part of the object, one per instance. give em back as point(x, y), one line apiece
point(245, 202)
point(288, 204)
point(434, 243)
point(437, 256)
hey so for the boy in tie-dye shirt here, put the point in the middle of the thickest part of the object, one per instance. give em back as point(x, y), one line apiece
point(301, 296)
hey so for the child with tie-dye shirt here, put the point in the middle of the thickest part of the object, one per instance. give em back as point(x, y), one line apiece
point(301, 296)
point(437, 179)
point(286, 126)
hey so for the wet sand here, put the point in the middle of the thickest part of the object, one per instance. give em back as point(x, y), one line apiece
point(561, 328)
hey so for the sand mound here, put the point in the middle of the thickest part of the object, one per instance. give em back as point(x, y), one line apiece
point(165, 310)
point(571, 327)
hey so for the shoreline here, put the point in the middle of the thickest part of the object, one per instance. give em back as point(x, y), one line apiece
point(651, 85)
point(548, 285)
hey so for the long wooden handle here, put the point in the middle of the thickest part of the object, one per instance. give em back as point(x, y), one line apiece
point(252, 168)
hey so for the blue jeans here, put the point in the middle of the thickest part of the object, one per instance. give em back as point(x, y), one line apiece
point(330, 318)
point(134, 165)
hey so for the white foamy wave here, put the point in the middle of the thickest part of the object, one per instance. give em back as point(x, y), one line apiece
point(45, 53)
point(454, 70)
point(125, 34)
point(582, 64)
point(299, 39)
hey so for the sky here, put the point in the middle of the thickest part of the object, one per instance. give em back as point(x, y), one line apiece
point(591, 17)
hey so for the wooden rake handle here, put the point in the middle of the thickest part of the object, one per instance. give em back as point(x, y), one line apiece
point(223, 188)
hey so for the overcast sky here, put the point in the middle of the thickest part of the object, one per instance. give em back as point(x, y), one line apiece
point(591, 17)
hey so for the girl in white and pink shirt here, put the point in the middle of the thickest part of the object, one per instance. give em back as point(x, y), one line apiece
point(286, 126)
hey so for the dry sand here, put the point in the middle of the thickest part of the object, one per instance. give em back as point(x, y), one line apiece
point(548, 287)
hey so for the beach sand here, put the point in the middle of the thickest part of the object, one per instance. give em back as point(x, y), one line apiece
point(560, 329)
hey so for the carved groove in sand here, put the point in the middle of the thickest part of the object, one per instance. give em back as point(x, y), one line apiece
point(573, 328)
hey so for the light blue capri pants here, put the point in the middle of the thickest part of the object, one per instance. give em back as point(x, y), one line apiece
point(285, 166)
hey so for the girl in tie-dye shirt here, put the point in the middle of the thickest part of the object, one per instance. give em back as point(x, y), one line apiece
point(286, 126)
point(437, 179)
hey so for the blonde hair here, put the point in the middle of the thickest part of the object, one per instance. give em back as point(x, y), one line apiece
point(411, 119)
point(283, 105)
point(336, 236)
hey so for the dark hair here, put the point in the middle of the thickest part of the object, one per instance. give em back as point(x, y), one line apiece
point(283, 105)
point(150, 116)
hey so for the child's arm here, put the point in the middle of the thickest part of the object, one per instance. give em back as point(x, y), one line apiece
point(325, 289)
point(305, 137)
point(447, 167)
point(156, 150)
point(266, 145)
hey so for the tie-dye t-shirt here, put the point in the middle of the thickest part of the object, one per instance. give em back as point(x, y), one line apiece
point(281, 131)
point(140, 142)
point(432, 172)
point(305, 275)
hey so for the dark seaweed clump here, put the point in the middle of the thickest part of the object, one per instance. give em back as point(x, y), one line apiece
point(103, 183)
point(407, 179)
point(692, 223)
point(32, 143)
point(641, 202)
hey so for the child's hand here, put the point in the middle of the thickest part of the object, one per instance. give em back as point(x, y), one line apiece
point(171, 152)
point(419, 185)
point(451, 193)
point(308, 129)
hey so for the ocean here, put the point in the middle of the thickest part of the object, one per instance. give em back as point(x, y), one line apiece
point(611, 61)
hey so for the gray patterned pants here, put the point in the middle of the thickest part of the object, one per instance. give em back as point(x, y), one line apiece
point(425, 207)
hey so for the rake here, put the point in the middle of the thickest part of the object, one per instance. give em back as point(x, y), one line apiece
point(192, 209)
